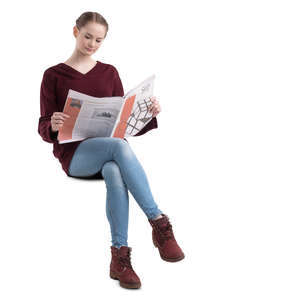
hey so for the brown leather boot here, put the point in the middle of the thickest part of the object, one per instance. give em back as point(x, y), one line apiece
point(121, 269)
point(163, 238)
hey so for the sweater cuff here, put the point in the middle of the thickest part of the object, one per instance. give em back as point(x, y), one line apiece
point(53, 134)
point(45, 131)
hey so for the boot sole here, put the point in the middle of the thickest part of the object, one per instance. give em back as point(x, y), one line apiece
point(172, 259)
point(125, 285)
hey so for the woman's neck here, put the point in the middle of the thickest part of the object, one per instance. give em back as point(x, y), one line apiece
point(77, 59)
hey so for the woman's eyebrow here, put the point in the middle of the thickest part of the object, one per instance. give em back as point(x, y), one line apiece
point(92, 35)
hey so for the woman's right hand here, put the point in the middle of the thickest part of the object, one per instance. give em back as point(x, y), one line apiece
point(57, 120)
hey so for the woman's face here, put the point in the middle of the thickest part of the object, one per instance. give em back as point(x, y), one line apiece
point(89, 38)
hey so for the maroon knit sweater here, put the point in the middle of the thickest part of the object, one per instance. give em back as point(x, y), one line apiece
point(101, 81)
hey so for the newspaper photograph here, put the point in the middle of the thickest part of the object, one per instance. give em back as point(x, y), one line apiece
point(106, 116)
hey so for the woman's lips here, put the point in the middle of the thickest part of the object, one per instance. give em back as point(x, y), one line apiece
point(89, 49)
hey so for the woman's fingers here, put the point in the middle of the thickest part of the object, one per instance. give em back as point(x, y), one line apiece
point(154, 107)
point(60, 116)
point(57, 120)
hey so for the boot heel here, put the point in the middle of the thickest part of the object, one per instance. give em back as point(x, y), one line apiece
point(113, 275)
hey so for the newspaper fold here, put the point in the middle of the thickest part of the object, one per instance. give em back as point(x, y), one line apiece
point(106, 116)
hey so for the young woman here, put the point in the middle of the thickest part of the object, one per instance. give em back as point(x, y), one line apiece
point(111, 159)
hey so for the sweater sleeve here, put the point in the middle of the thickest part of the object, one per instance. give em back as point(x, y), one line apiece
point(151, 125)
point(118, 91)
point(48, 106)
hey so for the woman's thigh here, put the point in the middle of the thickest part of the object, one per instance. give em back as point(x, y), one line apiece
point(90, 156)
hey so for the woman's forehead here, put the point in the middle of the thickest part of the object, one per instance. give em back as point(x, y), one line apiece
point(95, 29)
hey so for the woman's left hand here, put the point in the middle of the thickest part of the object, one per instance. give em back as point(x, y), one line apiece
point(154, 107)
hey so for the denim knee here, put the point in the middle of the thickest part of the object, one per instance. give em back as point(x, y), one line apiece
point(121, 147)
point(112, 174)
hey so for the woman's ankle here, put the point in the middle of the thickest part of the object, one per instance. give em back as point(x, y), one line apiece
point(157, 217)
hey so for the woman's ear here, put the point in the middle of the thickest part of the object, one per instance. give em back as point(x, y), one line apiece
point(75, 31)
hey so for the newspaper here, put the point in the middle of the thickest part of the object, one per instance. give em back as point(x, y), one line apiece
point(106, 116)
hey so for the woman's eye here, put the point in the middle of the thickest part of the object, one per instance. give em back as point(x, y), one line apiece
point(89, 38)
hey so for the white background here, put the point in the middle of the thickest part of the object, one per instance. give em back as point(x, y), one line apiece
point(223, 164)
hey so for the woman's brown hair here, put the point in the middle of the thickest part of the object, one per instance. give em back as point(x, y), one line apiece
point(90, 16)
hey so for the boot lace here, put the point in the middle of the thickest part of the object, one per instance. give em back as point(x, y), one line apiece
point(165, 230)
point(126, 260)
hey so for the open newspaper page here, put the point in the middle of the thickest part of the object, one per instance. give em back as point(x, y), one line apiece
point(106, 116)
point(135, 113)
point(89, 116)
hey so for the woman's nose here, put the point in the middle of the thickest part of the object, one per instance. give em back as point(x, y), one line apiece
point(92, 45)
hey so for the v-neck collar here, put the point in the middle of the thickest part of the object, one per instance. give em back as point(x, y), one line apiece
point(81, 74)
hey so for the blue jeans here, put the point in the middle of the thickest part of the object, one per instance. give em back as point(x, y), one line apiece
point(121, 171)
